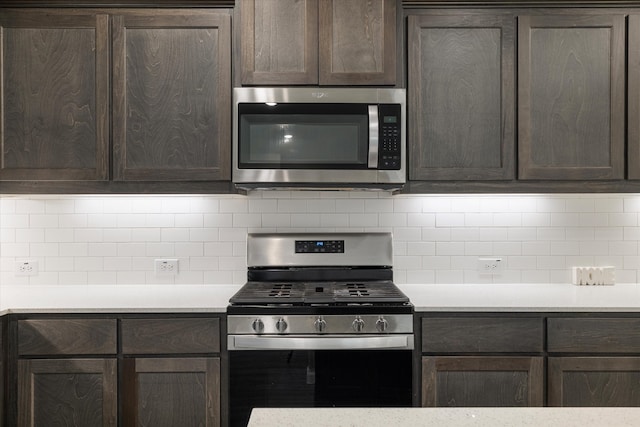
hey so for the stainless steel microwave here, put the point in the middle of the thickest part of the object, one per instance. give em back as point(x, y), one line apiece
point(327, 138)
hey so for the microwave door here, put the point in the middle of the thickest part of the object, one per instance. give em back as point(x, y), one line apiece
point(374, 128)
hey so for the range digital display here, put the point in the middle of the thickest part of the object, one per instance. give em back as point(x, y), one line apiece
point(319, 246)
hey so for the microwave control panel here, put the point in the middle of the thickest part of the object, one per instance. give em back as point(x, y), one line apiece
point(389, 150)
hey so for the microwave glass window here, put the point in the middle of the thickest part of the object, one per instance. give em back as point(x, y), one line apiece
point(304, 141)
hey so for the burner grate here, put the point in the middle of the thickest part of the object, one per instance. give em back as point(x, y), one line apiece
point(281, 290)
point(357, 290)
point(324, 293)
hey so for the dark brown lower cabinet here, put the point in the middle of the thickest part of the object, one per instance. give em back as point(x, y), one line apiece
point(67, 392)
point(482, 381)
point(594, 381)
point(164, 392)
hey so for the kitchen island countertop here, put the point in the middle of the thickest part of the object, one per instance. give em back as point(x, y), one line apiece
point(444, 417)
point(214, 298)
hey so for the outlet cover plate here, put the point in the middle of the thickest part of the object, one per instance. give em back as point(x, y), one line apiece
point(490, 265)
point(166, 267)
point(26, 268)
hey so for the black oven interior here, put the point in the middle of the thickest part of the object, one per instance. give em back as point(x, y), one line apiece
point(322, 378)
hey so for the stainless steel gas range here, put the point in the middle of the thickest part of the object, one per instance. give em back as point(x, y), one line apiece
point(319, 323)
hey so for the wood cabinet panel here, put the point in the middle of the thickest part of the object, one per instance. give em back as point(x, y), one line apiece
point(311, 42)
point(67, 336)
point(461, 97)
point(279, 42)
point(357, 42)
point(633, 97)
point(69, 392)
point(594, 335)
point(54, 94)
point(482, 334)
point(172, 96)
point(171, 392)
point(170, 336)
point(482, 381)
point(594, 381)
point(571, 101)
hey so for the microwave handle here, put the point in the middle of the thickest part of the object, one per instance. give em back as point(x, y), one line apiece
point(374, 137)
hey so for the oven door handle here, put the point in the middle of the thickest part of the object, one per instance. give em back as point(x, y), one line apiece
point(279, 342)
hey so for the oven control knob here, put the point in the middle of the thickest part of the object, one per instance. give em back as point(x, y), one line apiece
point(320, 324)
point(258, 326)
point(281, 325)
point(381, 324)
point(358, 324)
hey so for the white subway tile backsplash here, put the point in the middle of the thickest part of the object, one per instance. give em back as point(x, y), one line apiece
point(622, 248)
point(421, 220)
point(85, 240)
point(450, 219)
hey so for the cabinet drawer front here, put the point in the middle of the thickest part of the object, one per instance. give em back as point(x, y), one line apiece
point(170, 336)
point(593, 335)
point(482, 334)
point(67, 336)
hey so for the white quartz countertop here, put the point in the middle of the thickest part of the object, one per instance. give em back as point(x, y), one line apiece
point(425, 298)
point(524, 297)
point(445, 417)
point(116, 298)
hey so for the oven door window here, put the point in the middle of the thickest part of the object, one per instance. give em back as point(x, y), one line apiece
point(303, 136)
point(288, 379)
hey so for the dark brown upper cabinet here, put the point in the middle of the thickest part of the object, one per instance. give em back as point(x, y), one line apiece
point(311, 42)
point(571, 97)
point(54, 96)
point(633, 134)
point(172, 96)
point(461, 97)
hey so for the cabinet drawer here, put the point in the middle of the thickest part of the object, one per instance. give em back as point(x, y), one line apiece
point(170, 336)
point(482, 334)
point(593, 335)
point(67, 336)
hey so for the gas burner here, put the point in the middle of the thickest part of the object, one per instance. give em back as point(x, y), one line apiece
point(357, 290)
point(281, 290)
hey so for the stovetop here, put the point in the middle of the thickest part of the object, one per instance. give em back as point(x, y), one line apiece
point(320, 293)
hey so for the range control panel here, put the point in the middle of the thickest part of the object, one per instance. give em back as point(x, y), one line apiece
point(319, 246)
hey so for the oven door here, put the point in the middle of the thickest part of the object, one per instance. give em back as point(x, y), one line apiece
point(317, 378)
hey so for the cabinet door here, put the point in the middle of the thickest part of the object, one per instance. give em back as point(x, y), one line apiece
point(357, 42)
point(54, 96)
point(571, 100)
point(279, 42)
point(634, 97)
point(172, 96)
point(171, 392)
point(69, 392)
point(482, 381)
point(594, 381)
point(461, 97)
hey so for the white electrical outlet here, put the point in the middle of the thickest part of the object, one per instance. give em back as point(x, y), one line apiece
point(166, 267)
point(26, 268)
point(490, 265)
